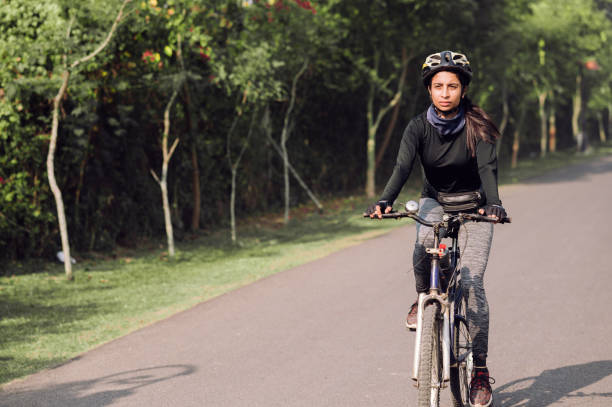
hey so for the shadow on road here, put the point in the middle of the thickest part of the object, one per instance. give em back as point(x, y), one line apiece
point(102, 391)
point(553, 385)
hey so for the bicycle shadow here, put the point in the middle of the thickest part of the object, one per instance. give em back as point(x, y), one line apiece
point(103, 391)
point(552, 385)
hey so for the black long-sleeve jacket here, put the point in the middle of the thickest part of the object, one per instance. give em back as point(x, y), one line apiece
point(447, 163)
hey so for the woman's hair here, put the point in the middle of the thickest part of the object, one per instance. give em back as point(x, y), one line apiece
point(479, 126)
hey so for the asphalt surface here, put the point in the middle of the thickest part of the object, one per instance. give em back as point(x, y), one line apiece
point(330, 333)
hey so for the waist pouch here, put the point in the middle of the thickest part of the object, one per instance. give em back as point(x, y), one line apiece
point(460, 201)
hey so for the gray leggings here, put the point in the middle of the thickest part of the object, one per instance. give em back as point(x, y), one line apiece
point(474, 257)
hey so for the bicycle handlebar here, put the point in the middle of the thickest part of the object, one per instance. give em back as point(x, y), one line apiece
point(459, 216)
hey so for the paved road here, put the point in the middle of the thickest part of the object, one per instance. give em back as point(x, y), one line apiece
point(330, 333)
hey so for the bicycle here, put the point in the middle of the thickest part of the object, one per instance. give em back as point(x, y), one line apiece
point(443, 346)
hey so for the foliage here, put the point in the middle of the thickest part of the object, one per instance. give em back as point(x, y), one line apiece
point(29, 29)
point(239, 55)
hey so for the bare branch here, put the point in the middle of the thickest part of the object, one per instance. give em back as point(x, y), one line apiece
point(294, 172)
point(106, 40)
point(70, 26)
point(285, 134)
point(394, 116)
point(155, 176)
point(172, 148)
point(228, 141)
point(246, 142)
point(167, 125)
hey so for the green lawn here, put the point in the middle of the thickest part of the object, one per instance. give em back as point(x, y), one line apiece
point(45, 320)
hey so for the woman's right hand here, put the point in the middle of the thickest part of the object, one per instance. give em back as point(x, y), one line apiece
point(377, 209)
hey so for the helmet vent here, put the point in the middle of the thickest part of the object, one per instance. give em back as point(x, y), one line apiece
point(446, 60)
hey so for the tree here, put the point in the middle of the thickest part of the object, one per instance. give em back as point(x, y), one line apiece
point(316, 70)
point(568, 34)
point(299, 33)
point(404, 31)
point(163, 181)
point(233, 165)
point(68, 69)
point(27, 82)
point(247, 72)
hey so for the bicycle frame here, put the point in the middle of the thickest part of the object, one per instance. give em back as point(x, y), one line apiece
point(449, 299)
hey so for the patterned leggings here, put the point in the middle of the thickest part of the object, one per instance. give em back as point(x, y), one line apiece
point(475, 243)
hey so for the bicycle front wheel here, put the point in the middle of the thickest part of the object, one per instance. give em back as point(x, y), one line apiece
point(430, 366)
point(461, 370)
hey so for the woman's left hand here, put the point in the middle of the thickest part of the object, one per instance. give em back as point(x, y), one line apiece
point(493, 211)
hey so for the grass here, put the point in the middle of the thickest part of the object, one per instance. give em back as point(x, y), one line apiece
point(46, 320)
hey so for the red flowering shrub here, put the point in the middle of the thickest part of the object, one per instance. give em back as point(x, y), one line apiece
point(306, 5)
point(148, 56)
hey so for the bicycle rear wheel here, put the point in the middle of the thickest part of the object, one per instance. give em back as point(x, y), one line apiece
point(461, 370)
point(430, 366)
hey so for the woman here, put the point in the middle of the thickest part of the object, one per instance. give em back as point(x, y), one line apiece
point(455, 141)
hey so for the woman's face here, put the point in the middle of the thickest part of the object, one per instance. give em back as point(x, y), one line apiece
point(445, 91)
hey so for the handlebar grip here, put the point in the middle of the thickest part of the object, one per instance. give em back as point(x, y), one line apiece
point(390, 215)
point(487, 219)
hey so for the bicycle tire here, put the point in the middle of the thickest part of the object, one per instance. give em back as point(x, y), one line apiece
point(430, 366)
point(461, 373)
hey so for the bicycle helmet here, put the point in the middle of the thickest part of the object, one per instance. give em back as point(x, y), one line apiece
point(446, 61)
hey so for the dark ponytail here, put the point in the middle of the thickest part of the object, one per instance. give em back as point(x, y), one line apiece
point(479, 126)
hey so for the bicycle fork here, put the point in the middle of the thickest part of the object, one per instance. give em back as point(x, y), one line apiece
point(425, 299)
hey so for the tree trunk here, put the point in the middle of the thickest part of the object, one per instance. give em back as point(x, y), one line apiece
point(197, 195)
point(373, 125)
point(600, 124)
point(552, 127)
point(396, 109)
point(516, 144)
point(77, 194)
point(234, 169)
point(163, 182)
point(287, 184)
point(195, 172)
point(516, 140)
point(57, 193)
point(609, 119)
point(505, 117)
point(293, 171)
point(371, 169)
point(543, 119)
point(576, 109)
point(285, 134)
point(195, 167)
point(166, 205)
